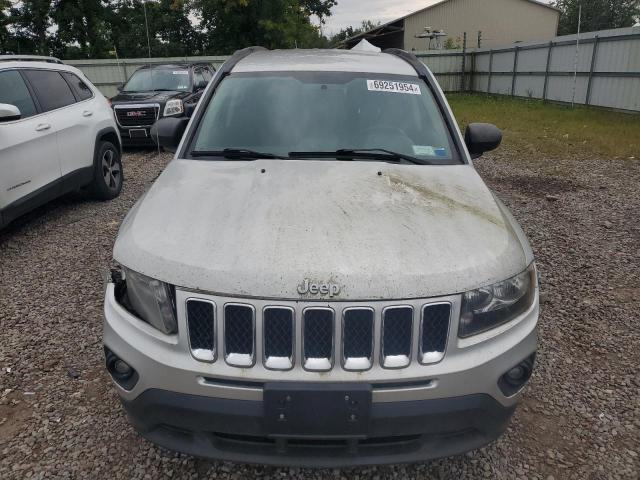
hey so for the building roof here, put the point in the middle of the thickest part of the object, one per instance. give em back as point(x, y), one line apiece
point(323, 60)
point(389, 27)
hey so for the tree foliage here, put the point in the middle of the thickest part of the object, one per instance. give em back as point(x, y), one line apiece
point(105, 28)
point(596, 15)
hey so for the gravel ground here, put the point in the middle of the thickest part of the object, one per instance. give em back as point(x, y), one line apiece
point(580, 418)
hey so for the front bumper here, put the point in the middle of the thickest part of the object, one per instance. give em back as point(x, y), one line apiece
point(217, 411)
point(399, 432)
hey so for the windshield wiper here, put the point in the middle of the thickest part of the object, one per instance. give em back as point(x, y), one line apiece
point(236, 154)
point(369, 153)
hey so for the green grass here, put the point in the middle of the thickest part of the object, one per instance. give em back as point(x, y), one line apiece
point(551, 130)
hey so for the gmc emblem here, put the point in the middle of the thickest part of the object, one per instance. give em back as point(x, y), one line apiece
point(135, 114)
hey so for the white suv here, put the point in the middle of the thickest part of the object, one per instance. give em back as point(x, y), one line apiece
point(320, 277)
point(57, 134)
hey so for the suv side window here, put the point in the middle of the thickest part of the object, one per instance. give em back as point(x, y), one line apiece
point(207, 74)
point(14, 91)
point(81, 89)
point(51, 89)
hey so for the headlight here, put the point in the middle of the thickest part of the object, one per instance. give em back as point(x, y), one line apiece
point(152, 300)
point(173, 107)
point(491, 306)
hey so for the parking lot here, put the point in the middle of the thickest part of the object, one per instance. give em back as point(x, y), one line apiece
point(580, 418)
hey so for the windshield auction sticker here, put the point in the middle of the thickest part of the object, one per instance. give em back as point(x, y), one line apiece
point(396, 87)
point(181, 72)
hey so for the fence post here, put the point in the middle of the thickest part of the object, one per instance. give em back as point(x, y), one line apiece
point(515, 71)
point(591, 68)
point(490, 69)
point(464, 57)
point(546, 72)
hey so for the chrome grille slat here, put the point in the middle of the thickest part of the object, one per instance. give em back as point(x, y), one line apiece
point(397, 325)
point(201, 329)
point(239, 334)
point(317, 338)
point(357, 338)
point(434, 330)
point(278, 337)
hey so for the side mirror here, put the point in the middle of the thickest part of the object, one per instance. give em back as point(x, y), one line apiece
point(9, 112)
point(167, 132)
point(120, 87)
point(482, 137)
point(201, 85)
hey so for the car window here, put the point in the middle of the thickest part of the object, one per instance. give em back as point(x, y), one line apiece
point(51, 89)
point(170, 79)
point(14, 91)
point(81, 89)
point(279, 113)
point(198, 77)
point(207, 74)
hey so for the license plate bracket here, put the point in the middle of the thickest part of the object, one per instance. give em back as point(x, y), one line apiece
point(312, 410)
point(137, 133)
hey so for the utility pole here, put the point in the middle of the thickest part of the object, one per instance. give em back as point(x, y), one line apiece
point(575, 60)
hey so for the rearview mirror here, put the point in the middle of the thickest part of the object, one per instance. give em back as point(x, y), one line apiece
point(9, 112)
point(167, 132)
point(482, 137)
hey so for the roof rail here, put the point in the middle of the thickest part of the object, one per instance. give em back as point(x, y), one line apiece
point(29, 58)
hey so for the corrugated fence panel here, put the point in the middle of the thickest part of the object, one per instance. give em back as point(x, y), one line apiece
point(616, 92)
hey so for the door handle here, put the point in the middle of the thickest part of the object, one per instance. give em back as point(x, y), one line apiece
point(87, 113)
point(42, 126)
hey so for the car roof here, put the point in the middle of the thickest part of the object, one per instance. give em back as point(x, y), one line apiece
point(40, 65)
point(323, 60)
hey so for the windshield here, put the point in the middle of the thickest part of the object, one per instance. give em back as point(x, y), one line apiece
point(158, 79)
point(294, 114)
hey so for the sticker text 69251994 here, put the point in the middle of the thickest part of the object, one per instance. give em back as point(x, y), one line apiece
point(397, 87)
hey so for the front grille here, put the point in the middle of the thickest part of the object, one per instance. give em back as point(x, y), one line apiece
point(397, 324)
point(434, 330)
point(279, 334)
point(239, 333)
point(200, 322)
point(136, 116)
point(357, 339)
point(317, 339)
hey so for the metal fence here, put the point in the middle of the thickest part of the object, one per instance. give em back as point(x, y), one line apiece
point(602, 70)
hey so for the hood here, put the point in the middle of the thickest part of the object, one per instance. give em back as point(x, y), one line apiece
point(146, 97)
point(377, 230)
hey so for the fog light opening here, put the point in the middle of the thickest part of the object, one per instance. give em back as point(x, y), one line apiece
point(121, 372)
point(514, 380)
point(122, 368)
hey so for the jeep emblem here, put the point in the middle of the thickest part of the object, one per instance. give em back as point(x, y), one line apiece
point(312, 288)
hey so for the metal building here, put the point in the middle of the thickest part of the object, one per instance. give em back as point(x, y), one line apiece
point(501, 23)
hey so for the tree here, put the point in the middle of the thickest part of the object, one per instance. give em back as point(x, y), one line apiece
point(233, 24)
point(31, 20)
point(596, 15)
point(81, 23)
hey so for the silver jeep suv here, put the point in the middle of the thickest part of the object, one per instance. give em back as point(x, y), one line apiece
point(320, 277)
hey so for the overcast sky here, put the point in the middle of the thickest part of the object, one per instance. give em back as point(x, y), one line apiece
point(352, 12)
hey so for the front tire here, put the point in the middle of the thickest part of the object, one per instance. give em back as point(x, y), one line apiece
point(107, 178)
